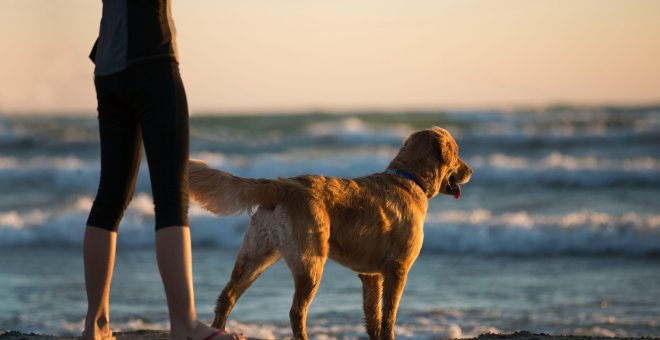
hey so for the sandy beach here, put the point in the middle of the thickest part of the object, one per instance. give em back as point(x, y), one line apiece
point(153, 335)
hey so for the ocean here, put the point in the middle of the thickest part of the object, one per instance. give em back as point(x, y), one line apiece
point(558, 231)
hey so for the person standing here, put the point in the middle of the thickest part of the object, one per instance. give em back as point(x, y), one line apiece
point(141, 100)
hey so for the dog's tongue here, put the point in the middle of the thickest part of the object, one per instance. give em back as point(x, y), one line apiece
point(457, 195)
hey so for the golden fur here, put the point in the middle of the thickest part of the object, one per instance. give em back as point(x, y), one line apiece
point(372, 225)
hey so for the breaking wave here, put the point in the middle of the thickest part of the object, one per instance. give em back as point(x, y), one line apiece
point(478, 232)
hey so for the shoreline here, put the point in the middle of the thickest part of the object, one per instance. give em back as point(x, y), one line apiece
point(164, 335)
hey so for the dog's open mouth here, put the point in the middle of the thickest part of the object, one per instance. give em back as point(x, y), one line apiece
point(452, 188)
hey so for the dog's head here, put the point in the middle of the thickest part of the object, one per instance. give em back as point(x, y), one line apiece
point(432, 157)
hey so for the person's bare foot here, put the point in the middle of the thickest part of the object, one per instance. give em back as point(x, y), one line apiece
point(202, 332)
point(99, 330)
point(97, 334)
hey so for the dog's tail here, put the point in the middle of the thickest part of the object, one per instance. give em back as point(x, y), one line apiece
point(225, 194)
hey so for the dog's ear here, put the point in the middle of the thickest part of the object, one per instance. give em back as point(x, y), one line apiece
point(422, 156)
point(434, 144)
point(419, 150)
point(445, 145)
point(414, 146)
point(405, 140)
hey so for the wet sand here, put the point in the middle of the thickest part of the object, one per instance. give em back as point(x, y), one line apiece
point(164, 335)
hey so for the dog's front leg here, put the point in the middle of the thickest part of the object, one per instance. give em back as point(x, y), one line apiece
point(372, 292)
point(395, 280)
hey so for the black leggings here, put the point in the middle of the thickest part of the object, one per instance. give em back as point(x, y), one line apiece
point(147, 103)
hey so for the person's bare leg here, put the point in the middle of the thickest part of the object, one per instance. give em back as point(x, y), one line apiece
point(99, 258)
point(174, 258)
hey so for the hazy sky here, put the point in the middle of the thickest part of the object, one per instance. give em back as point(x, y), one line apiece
point(341, 54)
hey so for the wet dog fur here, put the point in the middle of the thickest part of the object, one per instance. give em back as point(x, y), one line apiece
point(372, 225)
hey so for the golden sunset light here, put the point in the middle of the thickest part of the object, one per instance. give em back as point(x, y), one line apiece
point(297, 55)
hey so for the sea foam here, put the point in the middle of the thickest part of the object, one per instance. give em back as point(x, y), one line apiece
point(478, 232)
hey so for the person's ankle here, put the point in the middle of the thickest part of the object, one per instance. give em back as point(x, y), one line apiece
point(187, 321)
point(182, 328)
point(97, 328)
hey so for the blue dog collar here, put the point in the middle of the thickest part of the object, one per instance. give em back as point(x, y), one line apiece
point(407, 175)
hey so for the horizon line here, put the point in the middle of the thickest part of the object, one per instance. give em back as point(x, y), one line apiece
point(374, 109)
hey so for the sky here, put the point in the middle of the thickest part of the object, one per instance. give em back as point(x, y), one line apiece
point(267, 55)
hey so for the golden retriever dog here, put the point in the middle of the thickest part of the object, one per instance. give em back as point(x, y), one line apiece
point(373, 225)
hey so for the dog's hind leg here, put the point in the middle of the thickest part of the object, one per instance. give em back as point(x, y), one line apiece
point(249, 265)
point(307, 274)
point(372, 291)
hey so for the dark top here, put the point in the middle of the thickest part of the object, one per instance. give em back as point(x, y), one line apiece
point(133, 32)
